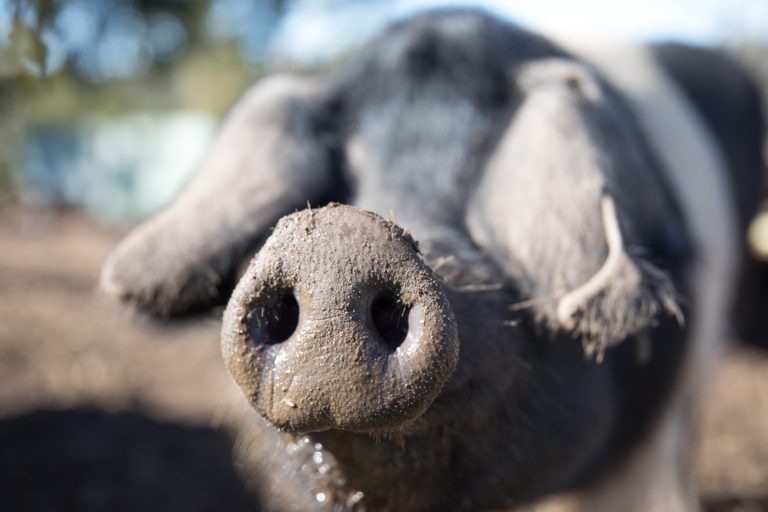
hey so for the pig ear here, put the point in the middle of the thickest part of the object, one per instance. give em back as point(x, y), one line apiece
point(270, 157)
point(553, 209)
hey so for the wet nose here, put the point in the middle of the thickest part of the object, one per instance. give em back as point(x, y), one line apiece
point(275, 318)
point(338, 323)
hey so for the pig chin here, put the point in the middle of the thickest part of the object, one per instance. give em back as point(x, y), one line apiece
point(339, 324)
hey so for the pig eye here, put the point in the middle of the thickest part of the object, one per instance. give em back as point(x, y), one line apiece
point(390, 319)
point(273, 322)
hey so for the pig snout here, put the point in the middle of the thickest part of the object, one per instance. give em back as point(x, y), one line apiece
point(338, 323)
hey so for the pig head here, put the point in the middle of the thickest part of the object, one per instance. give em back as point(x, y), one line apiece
point(460, 351)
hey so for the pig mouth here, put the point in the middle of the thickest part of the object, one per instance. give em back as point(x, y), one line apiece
point(339, 324)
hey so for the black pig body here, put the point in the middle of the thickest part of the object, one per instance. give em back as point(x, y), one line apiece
point(553, 288)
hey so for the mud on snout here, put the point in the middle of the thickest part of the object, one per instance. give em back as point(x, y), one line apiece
point(338, 323)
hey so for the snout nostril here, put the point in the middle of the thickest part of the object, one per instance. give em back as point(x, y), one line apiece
point(273, 322)
point(390, 319)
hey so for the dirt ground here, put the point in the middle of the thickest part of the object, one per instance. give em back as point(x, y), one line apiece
point(100, 410)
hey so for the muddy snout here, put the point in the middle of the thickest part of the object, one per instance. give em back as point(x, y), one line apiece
point(338, 323)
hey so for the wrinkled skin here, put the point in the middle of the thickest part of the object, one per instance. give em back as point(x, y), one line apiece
point(484, 165)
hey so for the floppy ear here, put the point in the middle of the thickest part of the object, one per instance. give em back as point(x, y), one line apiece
point(565, 205)
point(272, 155)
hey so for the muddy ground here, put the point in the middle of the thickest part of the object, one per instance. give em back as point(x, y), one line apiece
point(100, 410)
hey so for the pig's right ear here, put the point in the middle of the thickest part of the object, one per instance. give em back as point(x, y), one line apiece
point(561, 208)
point(271, 156)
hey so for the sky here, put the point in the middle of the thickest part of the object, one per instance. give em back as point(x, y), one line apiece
point(313, 32)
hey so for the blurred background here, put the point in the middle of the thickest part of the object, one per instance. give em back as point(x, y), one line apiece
point(105, 107)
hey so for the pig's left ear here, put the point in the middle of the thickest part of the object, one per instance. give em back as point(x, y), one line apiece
point(275, 152)
point(556, 205)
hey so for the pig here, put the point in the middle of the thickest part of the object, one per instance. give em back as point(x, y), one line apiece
point(489, 269)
